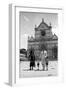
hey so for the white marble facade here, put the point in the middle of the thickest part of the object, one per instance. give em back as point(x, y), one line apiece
point(44, 39)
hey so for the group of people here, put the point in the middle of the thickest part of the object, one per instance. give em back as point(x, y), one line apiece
point(43, 58)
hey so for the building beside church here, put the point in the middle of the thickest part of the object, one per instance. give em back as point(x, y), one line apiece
point(44, 40)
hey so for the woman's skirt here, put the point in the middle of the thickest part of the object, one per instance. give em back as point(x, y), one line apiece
point(32, 63)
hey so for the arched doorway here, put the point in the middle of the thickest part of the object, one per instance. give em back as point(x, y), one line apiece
point(55, 52)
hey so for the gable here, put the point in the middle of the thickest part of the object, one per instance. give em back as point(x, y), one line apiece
point(43, 25)
point(55, 36)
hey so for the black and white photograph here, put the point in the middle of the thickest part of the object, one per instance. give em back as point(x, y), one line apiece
point(38, 44)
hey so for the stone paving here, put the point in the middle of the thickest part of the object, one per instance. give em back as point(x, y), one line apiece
point(25, 72)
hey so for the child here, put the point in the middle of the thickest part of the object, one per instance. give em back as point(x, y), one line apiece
point(47, 63)
point(38, 65)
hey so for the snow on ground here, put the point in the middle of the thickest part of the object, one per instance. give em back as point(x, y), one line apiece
point(25, 72)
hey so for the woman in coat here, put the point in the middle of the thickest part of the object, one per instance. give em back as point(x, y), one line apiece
point(43, 57)
point(32, 59)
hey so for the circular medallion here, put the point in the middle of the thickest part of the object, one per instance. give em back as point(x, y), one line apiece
point(43, 33)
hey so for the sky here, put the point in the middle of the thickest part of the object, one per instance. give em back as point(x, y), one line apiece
point(28, 20)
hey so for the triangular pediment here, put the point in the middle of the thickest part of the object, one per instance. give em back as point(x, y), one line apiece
point(43, 25)
point(55, 36)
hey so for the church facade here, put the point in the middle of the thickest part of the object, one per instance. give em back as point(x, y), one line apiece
point(44, 40)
